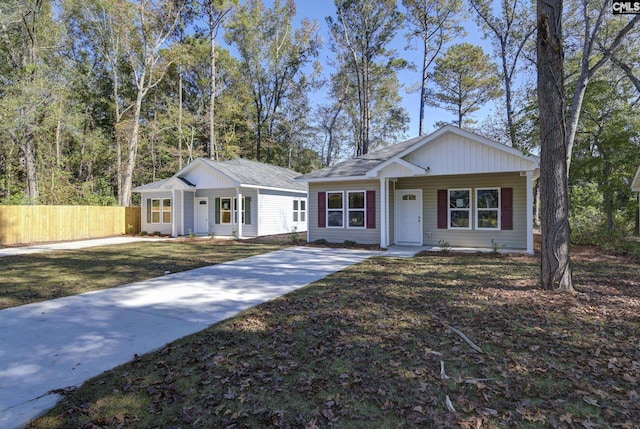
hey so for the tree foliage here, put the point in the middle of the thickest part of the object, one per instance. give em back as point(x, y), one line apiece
point(465, 80)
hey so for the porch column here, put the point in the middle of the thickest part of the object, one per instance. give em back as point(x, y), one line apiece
point(174, 211)
point(529, 175)
point(239, 199)
point(384, 211)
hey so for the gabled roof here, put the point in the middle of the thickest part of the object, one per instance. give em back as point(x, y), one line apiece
point(635, 185)
point(361, 165)
point(161, 185)
point(369, 165)
point(239, 172)
point(244, 172)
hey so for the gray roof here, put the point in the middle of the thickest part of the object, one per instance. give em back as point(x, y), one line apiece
point(159, 185)
point(360, 165)
point(258, 174)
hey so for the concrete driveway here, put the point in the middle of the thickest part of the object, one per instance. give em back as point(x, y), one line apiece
point(61, 343)
point(71, 245)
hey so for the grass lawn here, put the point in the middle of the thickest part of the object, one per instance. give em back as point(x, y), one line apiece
point(381, 345)
point(39, 277)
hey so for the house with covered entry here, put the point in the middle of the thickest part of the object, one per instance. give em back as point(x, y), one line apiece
point(239, 197)
point(452, 186)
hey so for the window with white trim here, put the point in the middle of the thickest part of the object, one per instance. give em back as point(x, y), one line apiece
point(235, 209)
point(225, 210)
point(488, 208)
point(159, 210)
point(335, 209)
point(459, 208)
point(356, 209)
point(299, 210)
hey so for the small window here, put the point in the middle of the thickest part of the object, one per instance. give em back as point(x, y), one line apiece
point(356, 209)
point(460, 208)
point(166, 210)
point(488, 208)
point(299, 210)
point(409, 197)
point(155, 210)
point(235, 209)
point(225, 210)
point(335, 210)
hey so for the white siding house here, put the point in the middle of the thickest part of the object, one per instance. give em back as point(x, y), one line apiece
point(230, 198)
point(451, 186)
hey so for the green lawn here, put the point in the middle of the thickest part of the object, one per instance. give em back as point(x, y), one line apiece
point(375, 346)
point(38, 277)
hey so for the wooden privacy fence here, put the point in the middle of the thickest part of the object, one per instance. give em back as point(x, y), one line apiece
point(38, 224)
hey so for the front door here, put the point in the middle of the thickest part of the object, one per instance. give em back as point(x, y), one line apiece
point(202, 215)
point(408, 217)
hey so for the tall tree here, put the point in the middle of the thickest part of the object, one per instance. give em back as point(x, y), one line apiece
point(26, 30)
point(431, 23)
point(509, 29)
point(274, 54)
point(555, 259)
point(216, 11)
point(362, 32)
point(465, 79)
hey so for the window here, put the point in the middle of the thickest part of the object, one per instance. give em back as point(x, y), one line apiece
point(166, 211)
point(460, 208)
point(225, 210)
point(488, 208)
point(356, 209)
point(335, 210)
point(299, 210)
point(235, 209)
point(159, 210)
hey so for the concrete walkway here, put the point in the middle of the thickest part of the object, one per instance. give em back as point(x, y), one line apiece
point(61, 343)
point(71, 245)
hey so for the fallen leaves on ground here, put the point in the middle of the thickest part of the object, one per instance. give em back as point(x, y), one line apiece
point(368, 346)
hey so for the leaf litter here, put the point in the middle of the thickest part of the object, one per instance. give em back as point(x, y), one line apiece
point(390, 343)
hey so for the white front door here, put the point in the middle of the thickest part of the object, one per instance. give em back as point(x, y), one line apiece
point(408, 217)
point(202, 216)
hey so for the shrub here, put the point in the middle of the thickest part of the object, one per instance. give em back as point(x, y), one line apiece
point(350, 243)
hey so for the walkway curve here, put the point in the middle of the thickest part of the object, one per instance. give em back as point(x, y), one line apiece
point(61, 343)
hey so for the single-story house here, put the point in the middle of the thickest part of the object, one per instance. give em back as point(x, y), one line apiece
point(635, 186)
point(451, 186)
point(240, 198)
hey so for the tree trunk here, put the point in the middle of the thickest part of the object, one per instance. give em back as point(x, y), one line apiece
point(213, 150)
point(556, 263)
point(179, 119)
point(127, 175)
point(423, 88)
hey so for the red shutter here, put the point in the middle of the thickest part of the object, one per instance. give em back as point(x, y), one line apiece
point(506, 203)
point(371, 209)
point(322, 209)
point(442, 209)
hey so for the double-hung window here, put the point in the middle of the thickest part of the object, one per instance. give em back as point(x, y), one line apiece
point(299, 210)
point(459, 208)
point(356, 209)
point(235, 209)
point(159, 210)
point(335, 209)
point(488, 208)
point(225, 210)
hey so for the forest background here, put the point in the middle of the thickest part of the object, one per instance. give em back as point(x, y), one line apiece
point(99, 96)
